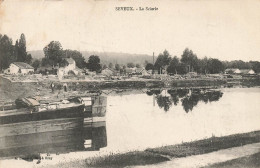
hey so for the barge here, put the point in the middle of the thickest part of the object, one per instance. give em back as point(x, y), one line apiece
point(31, 126)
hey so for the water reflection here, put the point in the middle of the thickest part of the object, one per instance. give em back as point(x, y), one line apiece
point(95, 138)
point(153, 92)
point(164, 102)
point(189, 98)
point(29, 146)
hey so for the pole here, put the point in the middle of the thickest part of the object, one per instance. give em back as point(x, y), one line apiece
point(153, 63)
point(153, 58)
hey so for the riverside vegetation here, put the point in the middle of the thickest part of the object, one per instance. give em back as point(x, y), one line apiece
point(166, 153)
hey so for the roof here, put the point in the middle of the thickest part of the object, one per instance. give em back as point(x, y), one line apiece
point(245, 71)
point(23, 65)
point(109, 69)
point(70, 60)
point(129, 70)
point(231, 69)
point(139, 70)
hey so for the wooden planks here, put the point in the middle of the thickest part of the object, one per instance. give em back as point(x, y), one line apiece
point(26, 116)
point(23, 140)
point(40, 126)
point(23, 132)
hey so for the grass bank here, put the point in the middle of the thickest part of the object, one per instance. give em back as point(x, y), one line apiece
point(207, 145)
point(161, 154)
point(251, 161)
point(115, 160)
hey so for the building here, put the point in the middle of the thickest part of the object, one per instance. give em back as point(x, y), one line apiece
point(143, 72)
point(20, 68)
point(247, 72)
point(71, 64)
point(232, 71)
point(129, 71)
point(70, 68)
point(108, 72)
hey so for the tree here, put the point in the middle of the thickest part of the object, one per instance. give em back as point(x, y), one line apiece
point(16, 50)
point(163, 60)
point(173, 67)
point(104, 66)
point(190, 59)
point(255, 66)
point(53, 53)
point(122, 70)
point(215, 66)
point(7, 55)
point(182, 69)
point(203, 65)
point(22, 54)
point(20, 50)
point(110, 65)
point(238, 64)
point(138, 66)
point(149, 66)
point(117, 67)
point(77, 56)
point(36, 63)
point(28, 59)
point(10, 53)
point(130, 65)
point(94, 63)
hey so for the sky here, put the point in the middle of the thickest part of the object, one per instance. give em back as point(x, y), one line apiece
point(223, 29)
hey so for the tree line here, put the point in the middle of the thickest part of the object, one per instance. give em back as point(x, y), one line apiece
point(13, 53)
point(55, 55)
point(189, 62)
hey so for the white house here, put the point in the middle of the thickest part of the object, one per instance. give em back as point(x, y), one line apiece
point(71, 64)
point(20, 68)
point(232, 71)
point(70, 67)
point(247, 71)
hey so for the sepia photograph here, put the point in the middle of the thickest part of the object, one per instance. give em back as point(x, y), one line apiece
point(129, 83)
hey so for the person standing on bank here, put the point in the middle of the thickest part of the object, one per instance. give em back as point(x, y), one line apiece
point(52, 87)
point(65, 86)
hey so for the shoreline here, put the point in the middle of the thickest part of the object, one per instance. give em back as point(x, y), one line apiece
point(153, 156)
point(150, 155)
point(12, 90)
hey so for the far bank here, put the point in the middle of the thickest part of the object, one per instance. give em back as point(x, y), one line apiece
point(12, 87)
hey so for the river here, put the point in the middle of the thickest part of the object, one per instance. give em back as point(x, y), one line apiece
point(140, 119)
point(166, 117)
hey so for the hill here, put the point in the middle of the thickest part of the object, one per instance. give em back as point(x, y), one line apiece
point(107, 57)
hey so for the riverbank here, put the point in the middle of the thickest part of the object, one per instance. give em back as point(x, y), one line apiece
point(14, 89)
point(166, 153)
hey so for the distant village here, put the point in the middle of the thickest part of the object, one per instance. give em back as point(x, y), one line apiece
point(71, 71)
point(59, 64)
